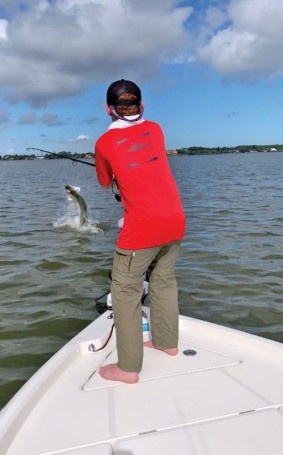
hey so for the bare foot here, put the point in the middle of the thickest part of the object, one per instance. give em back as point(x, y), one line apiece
point(113, 373)
point(172, 351)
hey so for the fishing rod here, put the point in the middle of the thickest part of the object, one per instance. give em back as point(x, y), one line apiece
point(75, 160)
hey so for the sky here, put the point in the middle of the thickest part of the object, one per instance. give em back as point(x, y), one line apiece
point(211, 71)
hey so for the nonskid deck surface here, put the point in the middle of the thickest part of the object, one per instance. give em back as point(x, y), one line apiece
point(227, 399)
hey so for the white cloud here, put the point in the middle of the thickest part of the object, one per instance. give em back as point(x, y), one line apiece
point(55, 49)
point(251, 41)
point(3, 29)
point(90, 120)
point(27, 119)
point(10, 6)
point(214, 17)
point(51, 120)
point(46, 119)
point(82, 137)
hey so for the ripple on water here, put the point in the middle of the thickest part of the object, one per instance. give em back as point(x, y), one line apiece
point(229, 272)
point(51, 265)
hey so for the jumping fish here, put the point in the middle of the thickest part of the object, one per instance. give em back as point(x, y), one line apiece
point(76, 197)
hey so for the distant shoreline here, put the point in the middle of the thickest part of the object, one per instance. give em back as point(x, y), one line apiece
point(182, 151)
point(225, 150)
point(32, 157)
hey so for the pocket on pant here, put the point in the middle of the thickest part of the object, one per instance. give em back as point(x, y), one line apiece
point(123, 260)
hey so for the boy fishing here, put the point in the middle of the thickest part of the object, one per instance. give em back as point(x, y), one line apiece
point(133, 152)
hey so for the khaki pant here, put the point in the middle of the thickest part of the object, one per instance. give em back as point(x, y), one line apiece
point(129, 268)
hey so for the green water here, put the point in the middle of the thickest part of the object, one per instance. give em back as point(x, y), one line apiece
point(230, 270)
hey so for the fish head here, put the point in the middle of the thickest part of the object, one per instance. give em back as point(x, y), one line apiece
point(68, 188)
point(72, 189)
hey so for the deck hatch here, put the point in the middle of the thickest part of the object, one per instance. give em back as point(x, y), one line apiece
point(156, 364)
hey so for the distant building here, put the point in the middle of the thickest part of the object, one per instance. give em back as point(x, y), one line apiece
point(171, 152)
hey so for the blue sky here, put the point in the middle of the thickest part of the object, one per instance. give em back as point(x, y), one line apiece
point(211, 72)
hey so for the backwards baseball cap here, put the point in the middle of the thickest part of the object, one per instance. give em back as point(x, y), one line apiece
point(118, 88)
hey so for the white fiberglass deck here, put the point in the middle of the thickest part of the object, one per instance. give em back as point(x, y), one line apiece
point(225, 400)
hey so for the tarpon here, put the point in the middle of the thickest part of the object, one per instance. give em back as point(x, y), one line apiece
point(76, 197)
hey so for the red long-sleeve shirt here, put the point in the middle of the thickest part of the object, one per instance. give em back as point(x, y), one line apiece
point(136, 156)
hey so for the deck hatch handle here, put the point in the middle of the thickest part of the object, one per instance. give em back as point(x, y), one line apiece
point(189, 352)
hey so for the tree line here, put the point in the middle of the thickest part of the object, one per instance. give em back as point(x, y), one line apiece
point(195, 150)
point(239, 149)
point(45, 156)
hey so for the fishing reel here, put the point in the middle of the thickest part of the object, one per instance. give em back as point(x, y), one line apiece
point(115, 190)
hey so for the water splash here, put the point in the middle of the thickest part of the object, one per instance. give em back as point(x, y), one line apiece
point(73, 222)
point(71, 219)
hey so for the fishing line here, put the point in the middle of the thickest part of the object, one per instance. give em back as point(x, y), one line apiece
point(76, 160)
point(58, 155)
